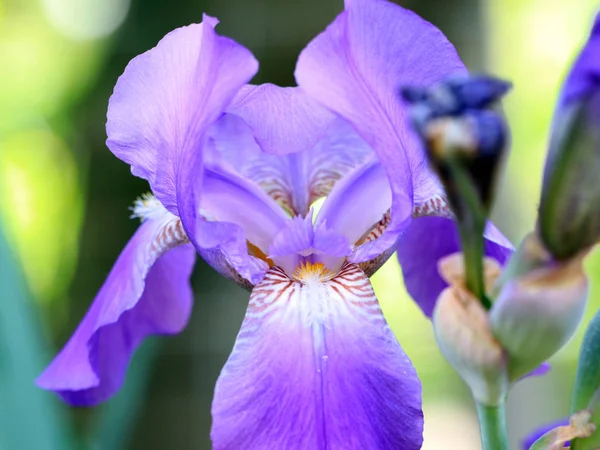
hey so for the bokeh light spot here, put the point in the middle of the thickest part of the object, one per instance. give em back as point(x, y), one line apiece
point(41, 208)
point(86, 19)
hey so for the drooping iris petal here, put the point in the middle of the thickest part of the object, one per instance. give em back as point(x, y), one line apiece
point(428, 239)
point(147, 292)
point(539, 432)
point(315, 366)
point(356, 68)
point(163, 104)
point(294, 180)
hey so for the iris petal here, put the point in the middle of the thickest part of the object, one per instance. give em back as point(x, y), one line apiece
point(238, 213)
point(357, 202)
point(315, 366)
point(147, 292)
point(163, 104)
point(283, 119)
point(294, 180)
point(300, 239)
point(427, 240)
point(356, 68)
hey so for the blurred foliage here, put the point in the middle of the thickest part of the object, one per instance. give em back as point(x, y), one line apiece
point(64, 202)
point(29, 418)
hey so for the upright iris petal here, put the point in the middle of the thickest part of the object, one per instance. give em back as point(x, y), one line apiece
point(356, 70)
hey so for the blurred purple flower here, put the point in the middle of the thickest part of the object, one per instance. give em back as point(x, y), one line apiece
point(568, 220)
point(234, 170)
point(529, 440)
point(584, 78)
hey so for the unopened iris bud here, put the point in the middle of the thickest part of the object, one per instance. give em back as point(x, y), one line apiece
point(536, 313)
point(569, 218)
point(460, 131)
point(464, 139)
point(464, 335)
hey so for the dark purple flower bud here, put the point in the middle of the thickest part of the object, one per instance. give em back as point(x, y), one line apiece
point(569, 219)
point(464, 140)
point(458, 94)
point(478, 92)
point(458, 127)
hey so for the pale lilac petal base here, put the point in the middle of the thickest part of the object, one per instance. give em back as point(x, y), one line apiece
point(427, 240)
point(294, 179)
point(140, 297)
point(284, 119)
point(315, 367)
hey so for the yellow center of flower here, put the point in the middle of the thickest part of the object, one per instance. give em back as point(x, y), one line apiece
point(307, 272)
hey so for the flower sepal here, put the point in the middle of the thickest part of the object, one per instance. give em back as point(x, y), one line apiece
point(539, 307)
point(464, 334)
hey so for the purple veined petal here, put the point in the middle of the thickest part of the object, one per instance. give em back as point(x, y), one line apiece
point(294, 180)
point(316, 366)
point(529, 440)
point(147, 292)
point(165, 100)
point(227, 197)
point(300, 240)
point(428, 239)
point(358, 202)
point(236, 212)
point(356, 68)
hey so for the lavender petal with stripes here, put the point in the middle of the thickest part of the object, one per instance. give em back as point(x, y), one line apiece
point(235, 171)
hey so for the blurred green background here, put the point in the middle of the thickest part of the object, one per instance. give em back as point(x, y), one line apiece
point(64, 202)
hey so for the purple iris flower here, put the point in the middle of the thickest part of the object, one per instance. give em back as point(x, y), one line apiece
point(234, 171)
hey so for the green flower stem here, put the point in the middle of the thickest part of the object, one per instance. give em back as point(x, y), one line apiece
point(471, 224)
point(492, 424)
point(472, 247)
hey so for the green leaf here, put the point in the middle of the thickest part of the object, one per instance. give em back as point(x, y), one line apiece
point(587, 383)
point(30, 418)
point(113, 429)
